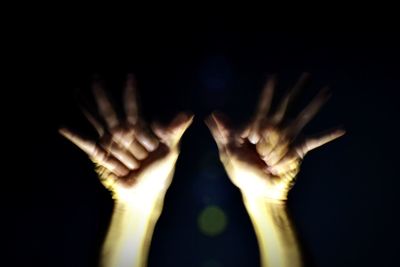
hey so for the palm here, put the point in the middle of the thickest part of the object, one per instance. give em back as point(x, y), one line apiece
point(264, 158)
point(131, 157)
point(150, 173)
point(249, 171)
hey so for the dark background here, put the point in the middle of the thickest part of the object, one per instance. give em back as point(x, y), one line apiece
point(344, 204)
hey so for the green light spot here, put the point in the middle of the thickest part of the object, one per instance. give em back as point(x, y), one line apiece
point(212, 221)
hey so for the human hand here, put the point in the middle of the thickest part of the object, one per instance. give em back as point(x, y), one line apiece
point(263, 159)
point(131, 158)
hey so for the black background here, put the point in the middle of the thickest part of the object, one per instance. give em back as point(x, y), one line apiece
point(344, 204)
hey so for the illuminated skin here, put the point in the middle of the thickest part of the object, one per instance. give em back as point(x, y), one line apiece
point(263, 160)
point(136, 163)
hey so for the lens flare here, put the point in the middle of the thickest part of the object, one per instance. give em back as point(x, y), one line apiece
point(212, 221)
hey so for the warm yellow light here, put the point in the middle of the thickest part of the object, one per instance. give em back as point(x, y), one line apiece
point(275, 234)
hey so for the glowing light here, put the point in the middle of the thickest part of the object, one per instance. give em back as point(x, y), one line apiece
point(212, 221)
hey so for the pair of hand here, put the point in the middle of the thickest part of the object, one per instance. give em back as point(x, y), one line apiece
point(134, 158)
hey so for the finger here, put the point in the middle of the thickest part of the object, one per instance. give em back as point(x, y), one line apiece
point(283, 106)
point(146, 138)
point(262, 109)
point(95, 123)
point(220, 138)
point(161, 132)
point(265, 99)
point(104, 106)
point(138, 150)
point(95, 152)
point(309, 112)
point(113, 165)
point(272, 135)
point(270, 138)
point(221, 121)
point(244, 133)
point(180, 124)
point(126, 138)
point(263, 148)
point(172, 133)
point(122, 155)
point(288, 166)
point(312, 143)
point(290, 162)
point(277, 153)
point(107, 178)
point(86, 145)
point(130, 100)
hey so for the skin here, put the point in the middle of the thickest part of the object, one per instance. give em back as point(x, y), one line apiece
point(263, 159)
point(135, 162)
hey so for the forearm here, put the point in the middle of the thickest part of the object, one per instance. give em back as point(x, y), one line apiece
point(128, 239)
point(275, 233)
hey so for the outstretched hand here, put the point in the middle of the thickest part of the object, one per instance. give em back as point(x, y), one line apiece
point(131, 157)
point(263, 159)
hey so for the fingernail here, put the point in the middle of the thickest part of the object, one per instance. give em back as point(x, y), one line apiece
point(254, 138)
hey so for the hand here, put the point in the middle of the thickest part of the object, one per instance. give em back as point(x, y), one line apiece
point(131, 158)
point(263, 159)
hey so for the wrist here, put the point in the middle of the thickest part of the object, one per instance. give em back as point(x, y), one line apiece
point(274, 231)
point(252, 199)
point(144, 195)
point(129, 236)
point(141, 206)
point(258, 186)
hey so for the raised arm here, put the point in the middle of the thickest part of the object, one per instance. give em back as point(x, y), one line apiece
point(262, 160)
point(136, 163)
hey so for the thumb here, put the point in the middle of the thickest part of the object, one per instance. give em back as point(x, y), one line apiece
point(171, 133)
point(218, 126)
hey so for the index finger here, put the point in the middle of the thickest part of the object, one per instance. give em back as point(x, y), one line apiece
point(309, 111)
point(288, 98)
point(104, 106)
point(262, 109)
point(265, 100)
point(130, 100)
